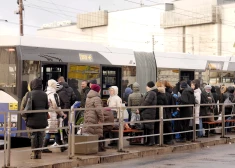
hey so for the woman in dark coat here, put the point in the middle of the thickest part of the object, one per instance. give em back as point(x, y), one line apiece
point(150, 99)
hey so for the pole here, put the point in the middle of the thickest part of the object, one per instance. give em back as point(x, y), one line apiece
point(161, 126)
point(194, 125)
point(153, 42)
point(73, 133)
point(223, 122)
point(5, 138)
point(9, 140)
point(21, 8)
point(120, 142)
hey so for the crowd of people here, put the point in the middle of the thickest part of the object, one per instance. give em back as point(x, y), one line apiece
point(59, 96)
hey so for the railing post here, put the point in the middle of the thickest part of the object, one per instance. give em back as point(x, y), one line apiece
point(223, 122)
point(121, 128)
point(161, 139)
point(9, 140)
point(194, 125)
point(70, 133)
point(5, 138)
point(73, 133)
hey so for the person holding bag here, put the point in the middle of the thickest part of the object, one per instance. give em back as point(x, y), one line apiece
point(53, 115)
point(36, 100)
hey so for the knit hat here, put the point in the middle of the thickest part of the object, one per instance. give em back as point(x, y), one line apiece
point(183, 85)
point(150, 84)
point(208, 87)
point(94, 81)
point(95, 87)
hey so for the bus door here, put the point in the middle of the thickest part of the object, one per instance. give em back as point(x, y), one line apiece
point(111, 76)
point(53, 71)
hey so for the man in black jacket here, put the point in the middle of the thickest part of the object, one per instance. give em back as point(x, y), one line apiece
point(187, 98)
point(72, 96)
point(37, 120)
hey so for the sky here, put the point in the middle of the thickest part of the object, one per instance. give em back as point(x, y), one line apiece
point(39, 12)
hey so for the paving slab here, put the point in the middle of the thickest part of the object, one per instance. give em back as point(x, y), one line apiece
point(21, 158)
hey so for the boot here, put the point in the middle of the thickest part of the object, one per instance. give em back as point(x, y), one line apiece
point(45, 143)
point(33, 155)
point(62, 149)
point(101, 146)
point(151, 139)
point(38, 154)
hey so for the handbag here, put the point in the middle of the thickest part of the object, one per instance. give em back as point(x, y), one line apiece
point(210, 113)
point(29, 103)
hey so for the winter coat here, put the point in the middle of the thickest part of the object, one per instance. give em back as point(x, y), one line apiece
point(93, 116)
point(70, 93)
point(108, 118)
point(197, 94)
point(36, 120)
point(150, 99)
point(161, 101)
point(84, 93)
point(187, 98)
point(115, 100)
point(128, 91)
point(135, 98)
point(64, 98)
point(170, 101)
point(54, 105)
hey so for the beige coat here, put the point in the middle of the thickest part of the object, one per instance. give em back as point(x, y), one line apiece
point(93, 116)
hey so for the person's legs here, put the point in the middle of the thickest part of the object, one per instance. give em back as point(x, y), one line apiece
point(59, 141)
point(45, 143)
point(40, 136)
point(33, 136)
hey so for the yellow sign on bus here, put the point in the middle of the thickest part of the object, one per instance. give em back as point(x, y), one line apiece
point(86, 57)
point(13, 106)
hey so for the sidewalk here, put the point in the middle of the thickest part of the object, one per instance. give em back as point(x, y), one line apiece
point(60, 160)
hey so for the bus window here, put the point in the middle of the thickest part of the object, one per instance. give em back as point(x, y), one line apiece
point(8, 70)
point(31, 70)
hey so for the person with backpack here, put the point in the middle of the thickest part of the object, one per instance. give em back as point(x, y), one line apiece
point(53, 123)
point(72, 96)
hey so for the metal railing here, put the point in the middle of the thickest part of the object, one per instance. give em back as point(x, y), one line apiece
point(120, 111)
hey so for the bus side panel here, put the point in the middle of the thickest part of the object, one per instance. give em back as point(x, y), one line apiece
point(4, 107)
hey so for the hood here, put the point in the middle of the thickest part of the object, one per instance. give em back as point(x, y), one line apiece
point(154, 89)
point(36, 84)
point(64, 84)
point(115, 88)
point(136, 87)
point(128, 91)
point(197, 91)
point(213, 89)
point(93, 93)
point(230, 89)
point(50, 89)
point(161, 89)
point(169, 90)
point(189, 90)
point(52, 83)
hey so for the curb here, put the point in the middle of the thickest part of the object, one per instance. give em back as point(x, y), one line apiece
point(77, 162)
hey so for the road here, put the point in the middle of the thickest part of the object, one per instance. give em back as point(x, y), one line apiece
point(222, 156)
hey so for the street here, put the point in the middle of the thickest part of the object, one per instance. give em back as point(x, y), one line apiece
point(222, 156)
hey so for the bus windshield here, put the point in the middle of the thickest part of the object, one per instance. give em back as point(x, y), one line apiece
point(8, 70)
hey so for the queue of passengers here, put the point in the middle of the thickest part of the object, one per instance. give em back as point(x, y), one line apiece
point(59, 96)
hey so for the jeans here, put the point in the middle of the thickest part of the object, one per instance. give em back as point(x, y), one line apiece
point(57, 137)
